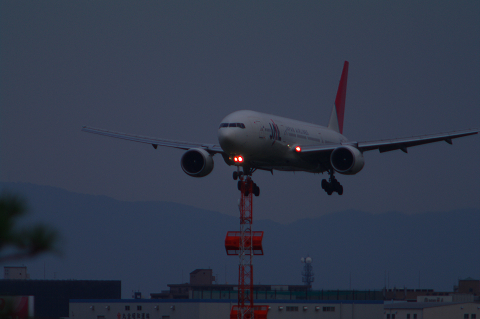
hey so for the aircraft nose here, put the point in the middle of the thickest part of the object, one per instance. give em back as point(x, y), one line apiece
point(227, 139)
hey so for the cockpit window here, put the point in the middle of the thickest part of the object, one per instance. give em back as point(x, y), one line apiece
point(241, 125)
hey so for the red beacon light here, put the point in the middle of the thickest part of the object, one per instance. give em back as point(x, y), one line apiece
point(298, 149)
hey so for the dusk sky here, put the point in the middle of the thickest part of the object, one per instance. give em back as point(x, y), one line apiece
point(174, 69)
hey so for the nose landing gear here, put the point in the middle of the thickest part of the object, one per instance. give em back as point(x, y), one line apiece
point(237, 174)
point(246, 176)
point(332, 185)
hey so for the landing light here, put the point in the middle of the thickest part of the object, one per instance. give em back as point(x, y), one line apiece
point(238, 159)
point(298, 149)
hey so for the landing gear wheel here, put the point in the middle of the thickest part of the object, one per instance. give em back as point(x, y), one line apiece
point(324, 184)
point(256, 190)
point(235, 175)
point(332, 185)
point(239, 185)
point(340, 189)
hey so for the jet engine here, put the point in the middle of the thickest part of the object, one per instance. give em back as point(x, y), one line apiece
point(347, 160)
point(197, 162)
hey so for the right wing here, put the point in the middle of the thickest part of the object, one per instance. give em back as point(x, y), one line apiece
point(155, 142)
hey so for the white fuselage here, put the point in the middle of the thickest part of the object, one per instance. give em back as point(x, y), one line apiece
point(268, 141)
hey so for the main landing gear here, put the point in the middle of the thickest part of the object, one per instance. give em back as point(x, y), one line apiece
point(247, 176)
point(332, 185)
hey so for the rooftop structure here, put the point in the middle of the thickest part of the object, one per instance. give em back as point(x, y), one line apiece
point(15, 273)
point(468, 285)
point(201, 288)
point(432, 310)
point(201, 277)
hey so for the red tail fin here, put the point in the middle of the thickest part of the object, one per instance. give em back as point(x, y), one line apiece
point(336, 119)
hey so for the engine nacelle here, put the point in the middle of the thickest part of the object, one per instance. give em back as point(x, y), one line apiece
point(197, 162)
point(347, 160)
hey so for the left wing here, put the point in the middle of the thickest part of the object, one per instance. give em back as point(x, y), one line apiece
point(155, 142)
point(392, 144)
point(404, 143)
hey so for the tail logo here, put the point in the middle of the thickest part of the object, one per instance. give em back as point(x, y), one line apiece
point(275, 136)
point(338, 111)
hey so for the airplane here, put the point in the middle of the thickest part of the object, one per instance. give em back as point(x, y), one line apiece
point(252, 140)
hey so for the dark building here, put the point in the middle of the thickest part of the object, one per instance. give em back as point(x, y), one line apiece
point(467, 290)
point(468, 286)
point(52, 296)
point(409, 294)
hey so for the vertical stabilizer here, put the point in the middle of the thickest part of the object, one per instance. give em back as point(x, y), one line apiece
point(338, 111)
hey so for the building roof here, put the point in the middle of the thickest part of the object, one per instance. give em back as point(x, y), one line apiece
point(234, 301)
point(420, 305)
point(234, 286)
point(469, 278)
point(199, 270)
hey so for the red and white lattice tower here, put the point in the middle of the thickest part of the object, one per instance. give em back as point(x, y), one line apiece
point(245, 267)
point(245, 243)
